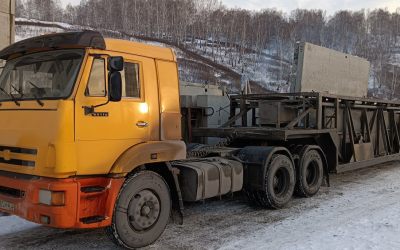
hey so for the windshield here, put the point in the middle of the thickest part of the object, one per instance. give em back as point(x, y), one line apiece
point(44, 75)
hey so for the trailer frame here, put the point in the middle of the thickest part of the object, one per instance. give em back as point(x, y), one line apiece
point(353, 132)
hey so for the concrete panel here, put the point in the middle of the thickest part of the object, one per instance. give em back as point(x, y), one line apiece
point(12, 2)
point(7, 6)
point(5, 37)
point(324, 70)
point(196, 89)
point(7, 25)
point(218, 111)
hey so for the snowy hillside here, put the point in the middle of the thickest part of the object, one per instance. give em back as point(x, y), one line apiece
point(206, 62)
point(196, 67)
point(192, 67)
point(226, 45)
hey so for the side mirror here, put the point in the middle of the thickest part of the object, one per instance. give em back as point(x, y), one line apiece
point(115, 86)
point(115, 63)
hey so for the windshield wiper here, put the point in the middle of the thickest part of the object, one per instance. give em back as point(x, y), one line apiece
point(10, 95)
point(37, 98)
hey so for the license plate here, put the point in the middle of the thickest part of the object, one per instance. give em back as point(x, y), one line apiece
point(7, 205)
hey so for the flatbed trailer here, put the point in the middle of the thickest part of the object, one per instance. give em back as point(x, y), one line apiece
point(352, 132)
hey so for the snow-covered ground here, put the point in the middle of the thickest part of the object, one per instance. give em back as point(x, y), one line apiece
point(12, 224)
point(361, 210)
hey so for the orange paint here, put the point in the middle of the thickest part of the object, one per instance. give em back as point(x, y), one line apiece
point(78, 204)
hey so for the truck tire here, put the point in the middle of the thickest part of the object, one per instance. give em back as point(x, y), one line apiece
point(141, 212)
point(310, 174)
point(279, 183)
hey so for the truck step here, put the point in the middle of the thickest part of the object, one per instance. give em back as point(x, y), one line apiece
point(92, 219)
point(92, 189)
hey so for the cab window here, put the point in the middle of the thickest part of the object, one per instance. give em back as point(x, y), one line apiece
point(97, 83)
point(131, 80)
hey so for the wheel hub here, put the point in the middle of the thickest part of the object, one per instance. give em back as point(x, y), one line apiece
point(144, 210)
point(312, 173)
point(280, 182)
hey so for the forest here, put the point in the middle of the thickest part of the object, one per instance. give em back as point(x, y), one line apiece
point(258, 44)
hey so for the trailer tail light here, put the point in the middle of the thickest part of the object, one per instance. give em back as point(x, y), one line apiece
point(51, 198)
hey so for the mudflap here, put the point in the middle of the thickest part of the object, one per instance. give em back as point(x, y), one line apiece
point(177, 204)
point(255, 160)
point(317, 148)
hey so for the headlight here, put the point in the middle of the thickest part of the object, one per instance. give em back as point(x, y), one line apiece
point(51, 198)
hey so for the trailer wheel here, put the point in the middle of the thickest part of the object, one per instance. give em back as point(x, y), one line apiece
point(141, 212)
point(279, 183)
point(310, 174)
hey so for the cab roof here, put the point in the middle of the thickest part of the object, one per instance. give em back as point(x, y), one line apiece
point(140, 49)
point(84, 39)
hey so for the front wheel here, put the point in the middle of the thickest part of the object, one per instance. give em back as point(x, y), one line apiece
point(141, 211)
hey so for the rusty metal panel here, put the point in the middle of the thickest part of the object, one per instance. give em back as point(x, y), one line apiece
point(324, 70)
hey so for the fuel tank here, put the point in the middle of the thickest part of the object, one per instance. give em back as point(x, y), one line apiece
point(210, 177)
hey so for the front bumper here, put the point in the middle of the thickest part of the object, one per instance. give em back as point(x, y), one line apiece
point(89, 202)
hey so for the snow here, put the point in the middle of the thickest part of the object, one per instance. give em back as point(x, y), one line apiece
point(265, 68)
point(191, 69)
point(363, 218)
point(359, 211)
point(34, 21)
point(13, 224)
point(271, 68)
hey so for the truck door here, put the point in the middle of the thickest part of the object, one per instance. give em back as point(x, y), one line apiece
point(104, 134)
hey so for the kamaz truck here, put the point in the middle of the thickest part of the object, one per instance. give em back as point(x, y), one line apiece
point(91, 137)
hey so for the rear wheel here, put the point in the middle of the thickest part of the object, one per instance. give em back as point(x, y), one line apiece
point(279, 183)
point(310, 174)
point(141, 212)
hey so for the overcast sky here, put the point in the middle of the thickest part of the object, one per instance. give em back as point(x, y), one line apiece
point(330, 6)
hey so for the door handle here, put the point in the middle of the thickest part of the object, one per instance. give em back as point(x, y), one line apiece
point(142, 124)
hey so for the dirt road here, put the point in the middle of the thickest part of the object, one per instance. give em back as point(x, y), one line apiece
point(361, 210)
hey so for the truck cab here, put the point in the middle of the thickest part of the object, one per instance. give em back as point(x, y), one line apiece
point(78, 113)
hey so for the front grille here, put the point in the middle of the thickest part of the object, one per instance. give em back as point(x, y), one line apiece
point(7, 159)
point(19, 150)
point(16, 193)
point(18, 162)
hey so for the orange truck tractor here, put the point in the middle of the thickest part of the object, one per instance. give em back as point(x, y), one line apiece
point(90, 137)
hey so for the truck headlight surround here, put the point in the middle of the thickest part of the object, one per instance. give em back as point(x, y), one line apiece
point(51, 198)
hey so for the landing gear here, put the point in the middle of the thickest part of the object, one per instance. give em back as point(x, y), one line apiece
point(141, 212)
